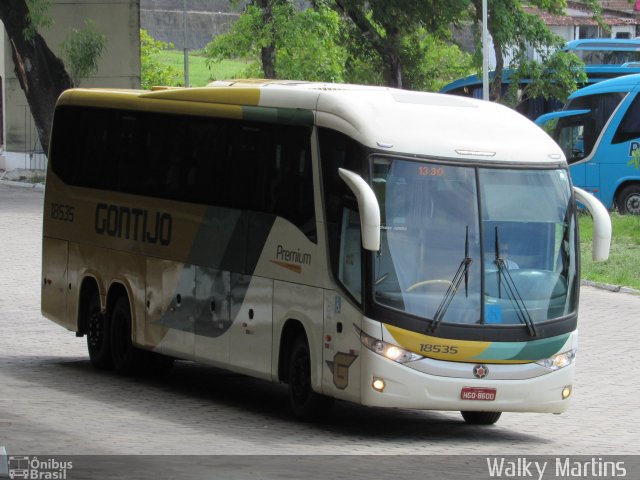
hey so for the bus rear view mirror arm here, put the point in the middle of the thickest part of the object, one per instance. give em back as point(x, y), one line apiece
point(601, 224)
point(368, 207)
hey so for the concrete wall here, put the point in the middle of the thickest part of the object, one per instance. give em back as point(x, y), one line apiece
point(167, 25)
point(163, 19)
point(119, 66)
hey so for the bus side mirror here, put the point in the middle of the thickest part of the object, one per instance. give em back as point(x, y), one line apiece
point(601, 224)
point(368, 207)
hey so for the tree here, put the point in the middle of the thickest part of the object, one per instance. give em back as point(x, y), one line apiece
point(515, 32)
point(385, 27)
point(82, 50)
point(431, 62)
point(322, 44)
point(41, 74)
point(254, 34)
point(152, 72)
point(296, 44)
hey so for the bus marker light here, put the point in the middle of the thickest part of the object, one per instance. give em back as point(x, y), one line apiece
point(476, 153)
point(378, 384)
point(566, 392)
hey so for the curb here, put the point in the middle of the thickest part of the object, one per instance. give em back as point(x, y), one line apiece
point(610, 288)
point(33, 186)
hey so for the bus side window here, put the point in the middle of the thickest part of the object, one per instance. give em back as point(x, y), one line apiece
point(350, 265)
point(64, 156)
point(629, 127)
point(125, 176)
point(290, 192)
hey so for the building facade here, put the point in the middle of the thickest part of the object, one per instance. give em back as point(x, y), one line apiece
point(119, 67)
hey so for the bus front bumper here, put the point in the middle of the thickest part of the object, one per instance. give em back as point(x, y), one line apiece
point(405, 387)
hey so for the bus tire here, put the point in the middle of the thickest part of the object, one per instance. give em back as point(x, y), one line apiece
point(481, 418)
point(628, 200)
point(126, 358)
point(306, 404)
point(98, 335)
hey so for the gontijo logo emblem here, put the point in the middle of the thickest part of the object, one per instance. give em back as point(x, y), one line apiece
point(292, 260)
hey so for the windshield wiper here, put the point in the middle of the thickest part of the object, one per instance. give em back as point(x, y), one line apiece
point(512, 291)
point(462, 272)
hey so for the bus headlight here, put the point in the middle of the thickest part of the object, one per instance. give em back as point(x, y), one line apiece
point(558, 361)
point(387, 350)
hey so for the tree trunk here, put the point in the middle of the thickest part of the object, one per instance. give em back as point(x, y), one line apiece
point(388, 48)
point(391, 55)
point(41, 74)
point(268, 52)
point(495, 89)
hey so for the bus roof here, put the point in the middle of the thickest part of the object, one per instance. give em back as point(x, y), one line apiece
point(401, 121)
point(608, 44)
point(625, 83)
point(596, 72)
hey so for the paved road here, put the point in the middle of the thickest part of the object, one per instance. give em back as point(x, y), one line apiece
point(52, 401)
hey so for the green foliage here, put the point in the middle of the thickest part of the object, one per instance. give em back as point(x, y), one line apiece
point(321, 44)
point(516, 32)
point(243, 40)
point(307, 43)
point(154, 72)
point(556, 77)
point(38, 17)
point(393, 31)
point(431, 63)
point(363, 65)
point(82, 50)
point(309, 47)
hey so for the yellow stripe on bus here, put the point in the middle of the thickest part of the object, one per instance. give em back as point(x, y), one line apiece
point(232, 96)
point(116, 99)
point(439, 348)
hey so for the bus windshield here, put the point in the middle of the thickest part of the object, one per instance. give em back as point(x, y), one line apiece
point(474, 245)
point(577, 135)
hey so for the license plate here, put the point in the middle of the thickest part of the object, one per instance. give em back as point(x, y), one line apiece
point(475, 393)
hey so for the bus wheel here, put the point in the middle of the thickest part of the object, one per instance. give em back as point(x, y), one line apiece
point(628, 200)
point(98, 335)
point(126, 358)
point(305, 403)
point(481, 418)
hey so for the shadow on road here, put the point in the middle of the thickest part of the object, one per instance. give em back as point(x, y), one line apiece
point(209, 399)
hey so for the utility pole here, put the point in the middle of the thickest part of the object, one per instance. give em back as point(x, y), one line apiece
point(485, 52)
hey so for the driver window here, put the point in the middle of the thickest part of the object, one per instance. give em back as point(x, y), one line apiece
point(350, 266)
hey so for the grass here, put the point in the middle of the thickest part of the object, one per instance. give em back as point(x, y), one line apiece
point(199, 73)
point(623, 266)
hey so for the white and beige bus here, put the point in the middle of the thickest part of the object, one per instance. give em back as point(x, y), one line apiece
point(378, 246)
